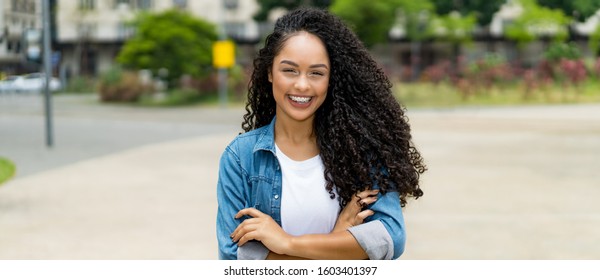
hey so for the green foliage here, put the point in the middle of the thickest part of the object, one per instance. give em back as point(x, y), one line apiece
point(117, 85)
point(267, 5)
point(445, 95)
point(579, 9)
point(536, 21)
point(178, 97)
point(594, 41)
point(372, 20)
point(560, 50)
point(7, 170)
point(80, 84)
point(482, 9)
point(112, 76)
point(454, 27)
point(174, 40)
point(417, 16)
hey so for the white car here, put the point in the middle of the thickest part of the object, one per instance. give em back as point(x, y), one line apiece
point(34, 82)
point(7, 85)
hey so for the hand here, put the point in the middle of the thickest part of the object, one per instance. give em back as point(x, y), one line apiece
point(263, 228)
point(352, 214)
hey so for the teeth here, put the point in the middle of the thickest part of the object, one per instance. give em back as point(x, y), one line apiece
point(300, 99)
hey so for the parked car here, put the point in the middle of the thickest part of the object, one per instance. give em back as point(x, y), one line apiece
point(7, 85)
point(34, 82)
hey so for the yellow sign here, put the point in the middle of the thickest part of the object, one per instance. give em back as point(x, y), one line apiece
point(223, 54)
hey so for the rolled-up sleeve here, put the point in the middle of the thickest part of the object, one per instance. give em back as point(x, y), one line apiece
point(383, 234)
point(230, 197)
point(253, 250)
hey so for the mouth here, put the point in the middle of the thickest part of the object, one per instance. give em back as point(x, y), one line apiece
point(300, 99)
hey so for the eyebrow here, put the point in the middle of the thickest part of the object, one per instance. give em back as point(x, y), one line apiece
point(296, 64)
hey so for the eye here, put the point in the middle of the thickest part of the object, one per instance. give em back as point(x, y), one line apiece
point(316, 73)
point(288, 70)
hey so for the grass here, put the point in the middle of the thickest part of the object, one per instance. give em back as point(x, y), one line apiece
point(7, 170)
point(445, 95)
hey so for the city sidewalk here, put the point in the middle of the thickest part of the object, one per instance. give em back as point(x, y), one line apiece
point(153, 202)
point(503, 183)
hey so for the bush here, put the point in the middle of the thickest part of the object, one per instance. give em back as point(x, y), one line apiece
point(117, 85)
point(179, 97)
point(80, 85)
point(558, 51)
point(7, 170)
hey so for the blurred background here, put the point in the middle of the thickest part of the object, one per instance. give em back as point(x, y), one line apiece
point(118, 158)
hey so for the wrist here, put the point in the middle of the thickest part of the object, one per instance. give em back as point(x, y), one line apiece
point(291, 245)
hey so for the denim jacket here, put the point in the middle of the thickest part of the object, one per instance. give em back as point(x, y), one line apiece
point(250, 176)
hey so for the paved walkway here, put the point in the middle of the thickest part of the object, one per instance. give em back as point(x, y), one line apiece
point(506, 183)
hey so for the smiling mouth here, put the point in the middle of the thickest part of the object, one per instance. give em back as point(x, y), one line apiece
point(300, 99)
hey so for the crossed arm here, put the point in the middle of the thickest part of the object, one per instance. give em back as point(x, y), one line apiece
point(339, 244)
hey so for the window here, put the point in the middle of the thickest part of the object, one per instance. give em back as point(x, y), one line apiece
point(124, 31)
point(30, 7)
point(180, 3)
point(122, 3)
point(87, 4)
point(144, 4)
point(86, 30)
point(14, 5)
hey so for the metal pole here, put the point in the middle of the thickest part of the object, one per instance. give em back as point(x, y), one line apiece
point(47, 53)
point(223, 73)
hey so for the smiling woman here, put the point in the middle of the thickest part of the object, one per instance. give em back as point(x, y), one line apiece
point(326, 162)
point(7, 170)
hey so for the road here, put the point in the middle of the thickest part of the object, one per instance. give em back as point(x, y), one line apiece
point(130, 183)
point(84, 130)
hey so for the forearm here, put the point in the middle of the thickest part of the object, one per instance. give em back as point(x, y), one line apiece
point(335, 245)
point(275, 256)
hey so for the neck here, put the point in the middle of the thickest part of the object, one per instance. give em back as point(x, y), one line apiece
point(293, 131)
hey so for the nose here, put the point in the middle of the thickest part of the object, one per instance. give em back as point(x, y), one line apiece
point(301, 84)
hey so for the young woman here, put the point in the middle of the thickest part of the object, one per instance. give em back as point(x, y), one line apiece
point(327, 161)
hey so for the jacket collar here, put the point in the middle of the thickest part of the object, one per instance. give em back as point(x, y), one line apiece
point(266, 140)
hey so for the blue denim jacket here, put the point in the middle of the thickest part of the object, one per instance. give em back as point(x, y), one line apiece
point(250, 176)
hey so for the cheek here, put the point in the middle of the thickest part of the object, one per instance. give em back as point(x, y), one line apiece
point(323, 87)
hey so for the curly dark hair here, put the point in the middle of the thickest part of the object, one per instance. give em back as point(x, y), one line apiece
point(362, 132)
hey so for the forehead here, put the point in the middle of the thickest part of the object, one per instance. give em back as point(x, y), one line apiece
point(303, 46)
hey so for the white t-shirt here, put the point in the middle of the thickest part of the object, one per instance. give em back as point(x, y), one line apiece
point(306, 206)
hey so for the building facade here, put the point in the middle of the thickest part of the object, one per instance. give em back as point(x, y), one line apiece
point(90, 33)
point(16, 16)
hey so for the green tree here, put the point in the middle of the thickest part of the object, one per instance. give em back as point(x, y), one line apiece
point(267, 5)
point(594, 41)
point(173, 40)
point(455, 29)
point(482, 9)
point(372, 20)
point(579, 9)
point(536, 21)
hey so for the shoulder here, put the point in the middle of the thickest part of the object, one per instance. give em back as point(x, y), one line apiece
point(247, 141)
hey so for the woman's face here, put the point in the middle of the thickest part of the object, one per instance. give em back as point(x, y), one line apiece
point(300, 77)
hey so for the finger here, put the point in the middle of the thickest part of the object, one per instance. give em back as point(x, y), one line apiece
point(253, 212)
point(243, 224)
point(242, 230)
point(363, 215)
point(370, 193)
point(247, 237)
point(368, 200)
point(366, 193)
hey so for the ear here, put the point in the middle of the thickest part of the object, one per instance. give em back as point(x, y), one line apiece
point(270, 75)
